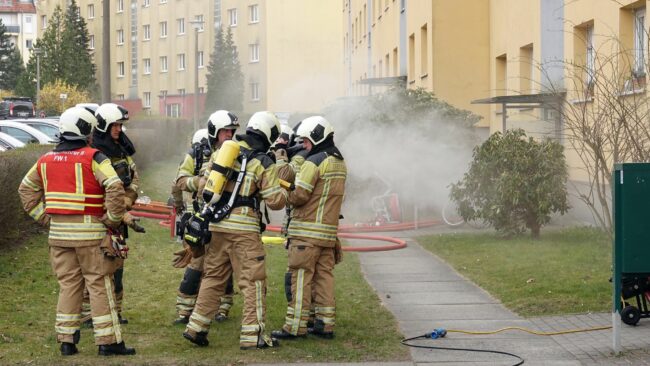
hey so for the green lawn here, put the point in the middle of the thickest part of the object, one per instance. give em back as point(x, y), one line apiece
point(565, 271)
point(366, 331)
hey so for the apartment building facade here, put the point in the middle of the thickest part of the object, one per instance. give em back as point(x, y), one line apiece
point(19, 18)
point(153, 63)
point(442, 46)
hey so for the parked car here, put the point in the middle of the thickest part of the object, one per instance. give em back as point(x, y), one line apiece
point(24, 133)
point(12, 107)
point(8, 142)
point(49, 127)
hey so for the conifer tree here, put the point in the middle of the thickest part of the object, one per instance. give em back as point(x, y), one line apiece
point(225, 80)
point(78, 68)
point(11, 63)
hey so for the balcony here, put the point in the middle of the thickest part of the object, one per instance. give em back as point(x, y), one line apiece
point(13, 29)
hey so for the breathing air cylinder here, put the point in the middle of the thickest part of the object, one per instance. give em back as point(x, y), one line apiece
point(221, 169)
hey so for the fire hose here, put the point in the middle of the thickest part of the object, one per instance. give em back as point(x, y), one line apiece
point(159, 210)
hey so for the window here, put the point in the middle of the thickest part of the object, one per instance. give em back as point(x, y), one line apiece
point(181, 92)
point(501, 75)
point(91, 42)
point(640, 41)
point(180, 24)
point(120, 6)
point(146, 32)
point(199, 59)
point(255, 91)
point(163, 63)
point(253, 11)
point(120, 96)
point(43, 21)
point(254, 50)
point(146, 99)
point(163, 29)
point(526, 66)
point(173, 110)
point(146, 3)
point(199, 18)
point(28, 44)
point(120, 36)
point(201, 90)
point(163, 1)
point(181, 61)
point(120, 69)
point(146, 63)
point(232, 16)
point(411, 72)
point(91, 11)
point(424, 52)
point(590, 58)
point(163, 93)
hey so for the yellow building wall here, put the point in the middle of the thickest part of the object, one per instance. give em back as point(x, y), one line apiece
point(303, 53)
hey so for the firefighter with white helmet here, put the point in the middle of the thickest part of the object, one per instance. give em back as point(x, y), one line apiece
point(191, 178)
point(83, 196)
point(313, 245)
point(110, 139)
point(233, 196)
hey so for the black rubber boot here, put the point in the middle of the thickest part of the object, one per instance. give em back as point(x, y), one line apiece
point(182, 320)
point(201, 338)
point(122, 320)
point(221, 318)
point(115, 349)
point(283, 334)
point(68, 349)
point(319, 330)
point(261, 344)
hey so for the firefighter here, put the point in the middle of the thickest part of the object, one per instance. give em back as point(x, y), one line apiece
point(313, 246)
point(235, 234)
point(76, 192)
point(191, 178)
point(109, 138)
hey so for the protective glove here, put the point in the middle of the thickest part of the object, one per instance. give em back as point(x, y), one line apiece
point(109, 223)
point(128, 203)
point(338, 252)
point(198, 252)
point(133, 223)
point(281, 155)
point(182, 257)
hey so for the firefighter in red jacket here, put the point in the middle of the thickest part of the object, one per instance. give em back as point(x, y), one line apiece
point(75, 191)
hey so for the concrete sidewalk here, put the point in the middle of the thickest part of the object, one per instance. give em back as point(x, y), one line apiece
point(424, 293)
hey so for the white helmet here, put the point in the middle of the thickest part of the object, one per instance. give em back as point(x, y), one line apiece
point(221, 119)
point(200, 135)
point(76, 123)
point(109, 113)
point(286, 132)
point(315, 128)
point(265, 124)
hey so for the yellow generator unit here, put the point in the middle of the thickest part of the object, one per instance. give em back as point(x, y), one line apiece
point(221, 169)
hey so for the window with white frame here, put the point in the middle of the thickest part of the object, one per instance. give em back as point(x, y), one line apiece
point(181, 61)
point(91, 42)
point(254, 14)
point(173, 110)
point(146, 99)
point(640, 42)
point(232, 17)
point(255, 91)
point(201, 90)
point(146, 32)
point(181, 92)
point(146, 3)
point(163, 29)
point(146, 64)
point(120, 36)
point(120, 69)
point(163, 1)
point(163, 93)
point(199, 18)
point(120, 6)
point(163, 63)
point(29, 43)
point(43, 21)
point(254, 50)
point(199, 59)
point(180, 24)
point(90, 9)
point(120, 97)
